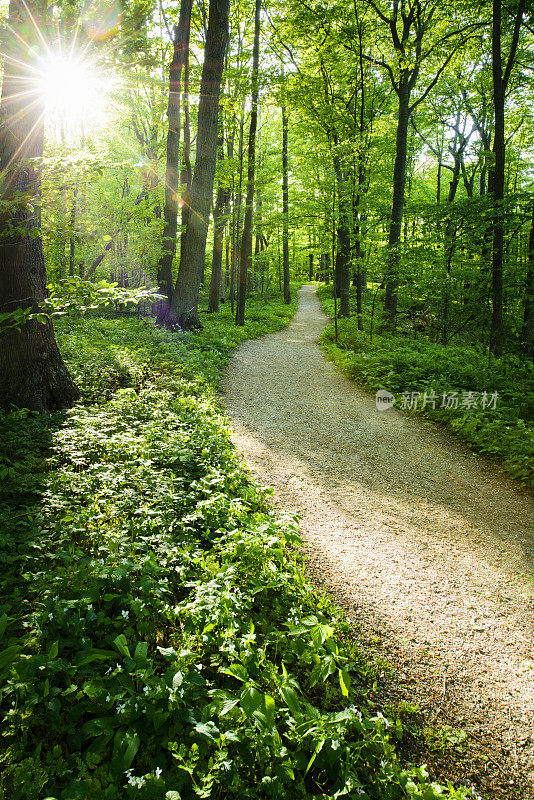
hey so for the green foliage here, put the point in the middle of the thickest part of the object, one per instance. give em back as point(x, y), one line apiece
point(158, 639)
point(400, 364)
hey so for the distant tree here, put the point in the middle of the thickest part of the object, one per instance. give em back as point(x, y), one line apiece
point(501, 79)
point(423, 35)
point(32, 372)
point(245, 252)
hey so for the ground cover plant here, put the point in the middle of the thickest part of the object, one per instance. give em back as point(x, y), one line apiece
point(158, 637)
point(404, 365)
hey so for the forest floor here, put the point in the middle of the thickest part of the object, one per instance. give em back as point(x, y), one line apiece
point(428, 548)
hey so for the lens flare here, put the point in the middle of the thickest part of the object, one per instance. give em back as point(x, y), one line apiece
point(104, 21)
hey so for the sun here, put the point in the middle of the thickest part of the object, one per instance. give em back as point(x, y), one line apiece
point(74, 92)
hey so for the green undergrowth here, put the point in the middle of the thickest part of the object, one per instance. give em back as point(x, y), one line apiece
point(404, 366)
point(158, 639)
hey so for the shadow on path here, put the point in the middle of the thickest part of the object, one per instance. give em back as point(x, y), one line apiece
point(406, 526)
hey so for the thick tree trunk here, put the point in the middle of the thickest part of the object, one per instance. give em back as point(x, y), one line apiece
point(285, 206)
point(245, 252)
point(32, 372)
point(397, 206)
point(172, 167)
point(184, 305)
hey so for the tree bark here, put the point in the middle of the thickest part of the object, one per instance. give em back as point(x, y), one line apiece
point(184, 305)
point(32, 372)
point(397, 205)
point(245, 252)
point(172, 167)
point(527, 330)
point(285, 206)
point(500, 83)
point(219, 224)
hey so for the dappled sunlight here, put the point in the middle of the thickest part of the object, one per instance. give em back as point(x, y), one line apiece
point(401, 522)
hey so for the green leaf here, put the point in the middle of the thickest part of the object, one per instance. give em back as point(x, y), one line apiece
point(344, 682)
point(3, 624)
point(53, 650)
point(173, 795)
point(97, 727)
point(97, 655)
point(7, 656)
point(227, 706)
point(237, 671)
point(315, 754)
point(251, 700)
point(290, 698)
point(126, 746)
point(121, 643)
point(141, 650)
point(208, 730)
point(270, 709)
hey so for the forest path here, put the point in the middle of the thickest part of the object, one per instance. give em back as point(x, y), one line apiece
point(427, 546)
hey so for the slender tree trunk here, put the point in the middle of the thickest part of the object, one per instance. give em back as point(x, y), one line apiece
point(311, 267)
point(187, 172)
point(527, 331)
point(72, 236)
point(184, 306)
point(219, 223)
point(32, 372)
point(172, 168)
point(285, 205)
point(500, 83)
point(245, 253)
point(397, 206)
point(499, 153)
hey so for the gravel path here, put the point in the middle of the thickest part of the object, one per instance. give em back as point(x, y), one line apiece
point(428, 547)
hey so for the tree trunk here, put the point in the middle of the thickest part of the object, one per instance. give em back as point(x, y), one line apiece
point(527, 331)
point(397, 206)
point(32, 372)
point(500, 83)
point(342, 262)
point(499, 153)
point(311, 267)
point(172, 167)
point(285, 205)
point(245, 253)
point(219, 223)
point(184, 305)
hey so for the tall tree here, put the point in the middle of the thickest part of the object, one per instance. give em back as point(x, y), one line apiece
point(420, 33)
point(285, 205)
point(219, 224)
point(500, 84)
point(245, 252)
point(32, 372)
point(184, 305)
point(181, 36)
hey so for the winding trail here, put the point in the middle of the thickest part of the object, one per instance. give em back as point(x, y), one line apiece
point(428, 547)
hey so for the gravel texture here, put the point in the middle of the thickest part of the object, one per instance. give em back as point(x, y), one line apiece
point(428, 547)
